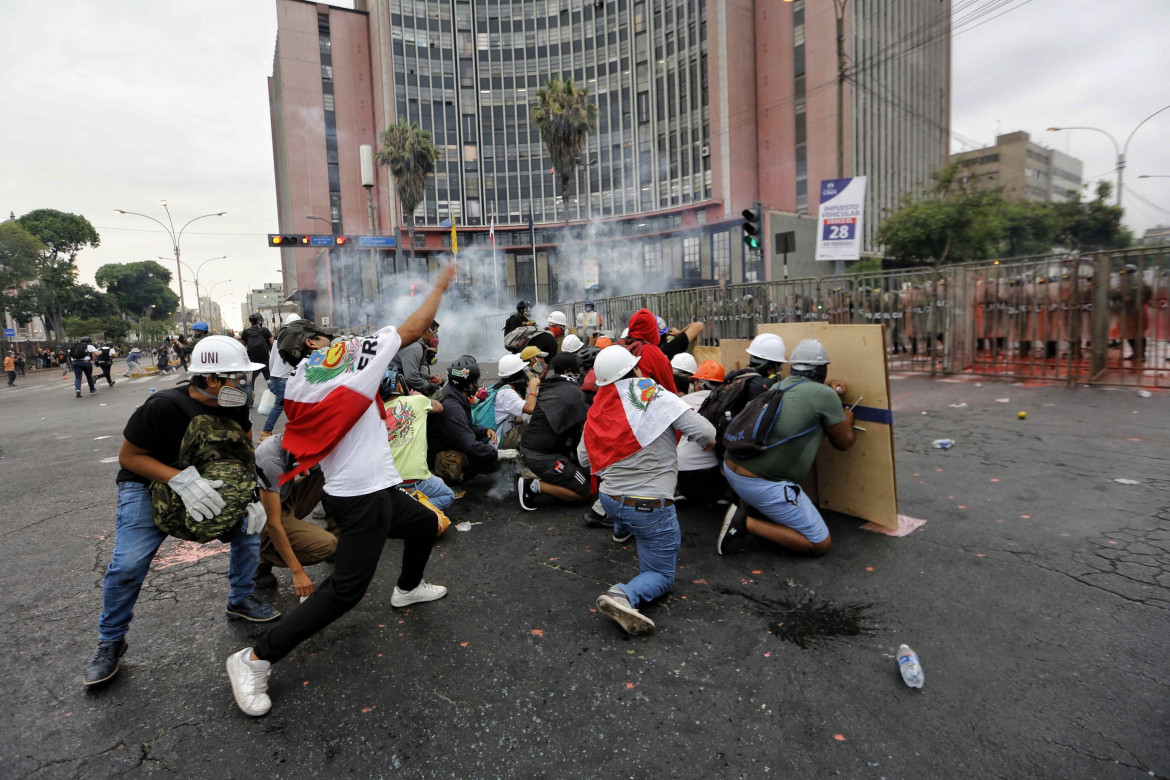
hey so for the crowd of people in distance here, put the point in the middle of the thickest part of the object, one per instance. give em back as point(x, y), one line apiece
point(381, 446)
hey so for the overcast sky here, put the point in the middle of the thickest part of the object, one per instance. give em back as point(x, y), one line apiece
point(120, 104)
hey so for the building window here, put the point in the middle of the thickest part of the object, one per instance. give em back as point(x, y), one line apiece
point(652, 259)
point(721, 256)
point(691, 269)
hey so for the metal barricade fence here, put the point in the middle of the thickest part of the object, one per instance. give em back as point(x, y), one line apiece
point(1096, 317)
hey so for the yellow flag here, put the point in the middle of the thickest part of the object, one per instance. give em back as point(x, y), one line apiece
point(454, 238)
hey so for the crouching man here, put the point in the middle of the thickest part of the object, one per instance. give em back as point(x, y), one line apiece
point(770, 483)
point(288, 539)
point(629, 442)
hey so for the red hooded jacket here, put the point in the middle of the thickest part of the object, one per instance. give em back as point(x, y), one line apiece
point(642, 341)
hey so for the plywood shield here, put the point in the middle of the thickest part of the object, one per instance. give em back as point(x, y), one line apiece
point(862, 481)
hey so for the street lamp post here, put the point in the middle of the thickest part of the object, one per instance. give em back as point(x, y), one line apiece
point(195, 273)
point(1120, 150)
point(176, 237)
point(212, 287)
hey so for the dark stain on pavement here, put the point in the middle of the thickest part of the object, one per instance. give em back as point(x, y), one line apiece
point(807, 620)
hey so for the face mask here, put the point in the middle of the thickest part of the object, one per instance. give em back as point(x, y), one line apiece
point(539, 367)
point(232, 396)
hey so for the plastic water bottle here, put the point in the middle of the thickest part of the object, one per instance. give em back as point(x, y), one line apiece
point(943, 444)
point(910, 667)
point(154, 390)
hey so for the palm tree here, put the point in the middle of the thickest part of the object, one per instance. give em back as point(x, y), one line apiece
point(564, 117)
point(410, 154)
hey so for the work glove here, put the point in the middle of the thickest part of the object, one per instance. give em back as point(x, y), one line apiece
point(507, 454)
point(254, 518)
point(199, 495)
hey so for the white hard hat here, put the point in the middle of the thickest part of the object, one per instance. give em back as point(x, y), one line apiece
point(571, 343)
point(292, 316)
point(684, 362)
point(220, 355)
point(558, 318)
point(767, 346)
point(510, 364)
point(809, 354)
point(612, 364)
point(625, 333)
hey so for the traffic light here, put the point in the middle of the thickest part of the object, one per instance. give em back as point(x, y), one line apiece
point(341, 240)
point(753, 226)
point(275, 240)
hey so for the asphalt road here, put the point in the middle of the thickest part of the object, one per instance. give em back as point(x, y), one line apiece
point(1036, 595)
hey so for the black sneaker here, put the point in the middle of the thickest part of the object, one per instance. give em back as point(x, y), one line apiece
point(595, 520)
point(79, 394)
point(252, 610)
point(615, 604)
point(264, 578)
point(734, 528)
point(527, 495)
point(620, 537)
point(105, 665)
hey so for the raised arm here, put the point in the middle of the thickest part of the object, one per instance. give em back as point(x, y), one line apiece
point(417, 323)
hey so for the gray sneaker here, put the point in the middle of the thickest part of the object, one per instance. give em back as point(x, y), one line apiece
point(615, 604)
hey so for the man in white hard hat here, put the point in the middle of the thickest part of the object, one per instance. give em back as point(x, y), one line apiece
point(150, 450)
point(572, 344)
point(629, 442)
point(770, 501)
point(549, 339)
point(685, 366)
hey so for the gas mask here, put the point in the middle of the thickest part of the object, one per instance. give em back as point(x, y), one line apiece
point(228, 397)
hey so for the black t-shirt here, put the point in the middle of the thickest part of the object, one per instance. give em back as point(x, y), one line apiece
point(675, 346)
point(545, 342)
point(256, 339)
point(566, 403)
point(159, 424)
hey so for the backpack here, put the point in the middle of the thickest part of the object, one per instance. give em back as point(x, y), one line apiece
point(483, 414)
point(104, 358)
point(747, 433)
point(515, 340)
point(220, 449)
point(725, 402)
point(77, 351)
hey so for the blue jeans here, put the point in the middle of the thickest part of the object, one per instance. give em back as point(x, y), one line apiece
point(82, 367)
point(137, 541)
point(772, 499)
point(658, 537)
point(276, 385)
point(437, 491)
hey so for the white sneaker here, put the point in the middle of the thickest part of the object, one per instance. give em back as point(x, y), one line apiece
point(249, 683)
point(424, 592)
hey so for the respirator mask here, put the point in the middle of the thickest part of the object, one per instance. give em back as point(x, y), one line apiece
point(229, 397)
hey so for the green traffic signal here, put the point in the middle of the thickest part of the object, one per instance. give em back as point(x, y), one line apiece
point(752, 242)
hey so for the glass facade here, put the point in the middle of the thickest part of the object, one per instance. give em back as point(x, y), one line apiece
point(470, 70)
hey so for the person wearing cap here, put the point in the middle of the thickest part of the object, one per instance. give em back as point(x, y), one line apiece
point(412, 365)
point(550, 439)
point(150, 450)
point(537, 361)
point(515, 399)
point(770, 502)
point(700, 473)
point(457, 449)
point(588, 321)
point(199, 330)
point(673, 341)
point(629, 442)
point(549, 339)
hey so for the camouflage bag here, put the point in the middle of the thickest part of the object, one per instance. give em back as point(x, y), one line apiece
point(450, 465)
point(220, 449)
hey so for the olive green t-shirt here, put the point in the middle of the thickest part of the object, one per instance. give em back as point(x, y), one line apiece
point(806, 404)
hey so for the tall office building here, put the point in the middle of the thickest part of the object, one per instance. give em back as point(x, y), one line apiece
point(1025, 169)
point(704, 107)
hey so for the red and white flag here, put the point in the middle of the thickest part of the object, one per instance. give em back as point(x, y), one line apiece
point(329, 392)
point(625, 417)
point(492, 232)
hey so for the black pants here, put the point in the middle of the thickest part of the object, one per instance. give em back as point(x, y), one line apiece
point(365, 523)
point(11, 378)
point(105, 374)
point(704, 486)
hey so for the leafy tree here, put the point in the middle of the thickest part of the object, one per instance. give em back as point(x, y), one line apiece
point(564, 116)
point(86, 301)
point(1082, 225)
point(410, 154)
point(142, 288)
point(1027, 228)
point(24, 305)
point(19, 251)
point(110, 328)
point(63, 236)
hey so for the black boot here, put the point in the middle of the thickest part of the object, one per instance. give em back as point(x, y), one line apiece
point(104, 665)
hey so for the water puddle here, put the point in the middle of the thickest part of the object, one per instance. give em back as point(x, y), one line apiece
point(810, 620)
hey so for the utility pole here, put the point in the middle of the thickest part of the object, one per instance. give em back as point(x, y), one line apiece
point(366, 153)
point(839, 7)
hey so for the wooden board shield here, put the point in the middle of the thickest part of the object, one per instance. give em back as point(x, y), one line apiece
point(861, 481)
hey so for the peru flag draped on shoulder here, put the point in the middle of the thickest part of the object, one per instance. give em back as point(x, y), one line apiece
point(329, 391)
point(625, 417)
